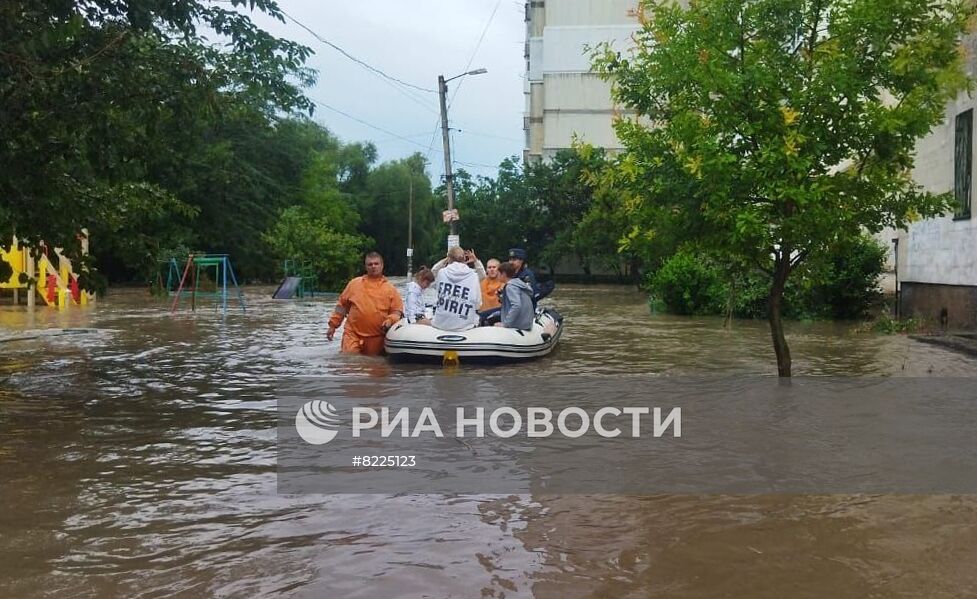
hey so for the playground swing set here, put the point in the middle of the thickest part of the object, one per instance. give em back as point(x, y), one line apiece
point(191, 281)
point(166, 285)
point(49, 276)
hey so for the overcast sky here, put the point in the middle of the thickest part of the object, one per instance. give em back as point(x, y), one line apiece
point(415, 41)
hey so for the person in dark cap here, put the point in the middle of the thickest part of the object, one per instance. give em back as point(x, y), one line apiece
point(517, 257)
point(540, 290)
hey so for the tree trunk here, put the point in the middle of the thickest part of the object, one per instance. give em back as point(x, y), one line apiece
point(729, 305)
point(774, 302)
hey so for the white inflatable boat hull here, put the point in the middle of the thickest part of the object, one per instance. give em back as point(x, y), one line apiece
point(417, 341)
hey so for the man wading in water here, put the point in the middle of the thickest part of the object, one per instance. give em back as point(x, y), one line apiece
point(370, 305)
point(459, 294)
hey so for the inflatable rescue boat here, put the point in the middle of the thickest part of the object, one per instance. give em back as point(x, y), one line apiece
point(420, 342)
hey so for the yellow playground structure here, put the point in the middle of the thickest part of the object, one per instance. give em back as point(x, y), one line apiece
point(56, 280)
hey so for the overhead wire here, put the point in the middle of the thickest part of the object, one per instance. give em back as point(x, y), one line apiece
point(480, 134)
point(353, 58)
point(396, 83)
point(387, 79)
point(455, 161)
point(475, 51)
point(476, 164)
point(368, 124)
point(422, 134)
point(430, 147)
point(471, 58)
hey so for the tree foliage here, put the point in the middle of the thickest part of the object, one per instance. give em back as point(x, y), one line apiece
point(103, 103)
point(551, 209)
point(310, 239)
point(385, 200)
point(176, 125)
point(494, 211)
point(774, 128)
point(840, 284)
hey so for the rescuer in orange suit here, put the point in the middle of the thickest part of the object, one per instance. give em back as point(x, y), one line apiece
point(370, 305)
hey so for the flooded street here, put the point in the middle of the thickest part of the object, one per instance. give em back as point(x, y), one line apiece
point(138, 458)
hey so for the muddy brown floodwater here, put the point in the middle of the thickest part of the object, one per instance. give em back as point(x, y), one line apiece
point(137, 458)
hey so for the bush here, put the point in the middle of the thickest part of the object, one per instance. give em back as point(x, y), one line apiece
point(845, 284)
point(842, 284)
point(335, 257)
point(888, 325)
point(689, 283)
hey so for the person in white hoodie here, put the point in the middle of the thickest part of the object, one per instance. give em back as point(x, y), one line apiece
point(459, 294)
point(470, 259)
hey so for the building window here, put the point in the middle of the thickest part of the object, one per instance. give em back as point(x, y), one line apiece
point(963, 160)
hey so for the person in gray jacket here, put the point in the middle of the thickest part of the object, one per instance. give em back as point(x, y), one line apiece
point(517, 299)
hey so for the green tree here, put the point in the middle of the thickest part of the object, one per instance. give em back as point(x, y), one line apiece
point(599, 233)
point(560, 196)
point(549, 208)
point(384, 205)
point(319, 224)
point(310, 239)
point(234, 174)
point(843, 283)
point(780, 126)
point(97, 97)
point(494, 212)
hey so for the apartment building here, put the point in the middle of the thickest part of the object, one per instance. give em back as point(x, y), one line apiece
point(564, 99)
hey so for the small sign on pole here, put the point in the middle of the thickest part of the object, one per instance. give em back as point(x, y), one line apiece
point(454, 241)
point(410, 252)
point(449, 215)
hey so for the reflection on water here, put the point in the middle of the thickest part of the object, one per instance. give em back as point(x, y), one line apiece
point(137, 455)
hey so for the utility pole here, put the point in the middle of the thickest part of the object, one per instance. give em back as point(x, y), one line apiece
point(448, 178)
point(410, 229)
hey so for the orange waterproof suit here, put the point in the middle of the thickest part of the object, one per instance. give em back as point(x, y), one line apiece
point(368, 304)
point(490, 294)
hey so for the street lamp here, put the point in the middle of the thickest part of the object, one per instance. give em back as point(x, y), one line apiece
point(443, 93)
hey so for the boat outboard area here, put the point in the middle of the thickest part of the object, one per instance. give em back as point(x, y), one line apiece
point(486, 344)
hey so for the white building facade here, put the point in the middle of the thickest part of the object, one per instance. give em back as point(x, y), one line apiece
point(564, 99)
point(936, 259)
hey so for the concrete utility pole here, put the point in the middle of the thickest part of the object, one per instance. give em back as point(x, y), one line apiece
point(448, 182)
point(410, 229)
point(448, 177)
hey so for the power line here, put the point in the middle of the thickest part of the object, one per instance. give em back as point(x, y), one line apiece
point(371, 125)
point(430, 147)
point(389, 80)
point(475, 51)
point(437, 124)
point(476, 164)
point(400, 137)
point(434, 136)
point(467, 68)
point(357, 60)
